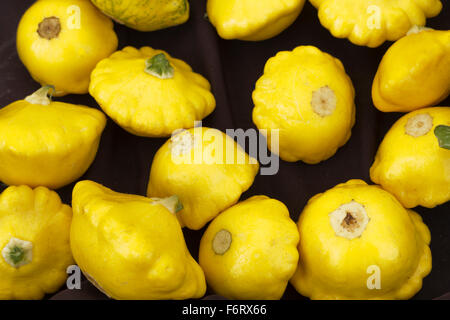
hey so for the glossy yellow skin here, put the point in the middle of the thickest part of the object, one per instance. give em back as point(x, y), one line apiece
point(146, 15)
point(145, 105)
point(66, 61)
point(130, 247)
point(203, 180)
point(283, 96)
point(250, 20)
point(263, 254)
point(414, 169)
point(47, 145)
point(37, 216)
point(372, 22)
point(414, 73)
point(333, 267)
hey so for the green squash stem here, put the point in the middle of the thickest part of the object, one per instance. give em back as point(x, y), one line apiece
point(442, 133)
point(159, 67)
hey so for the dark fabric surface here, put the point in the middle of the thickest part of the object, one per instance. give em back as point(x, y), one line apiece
point(232, 67)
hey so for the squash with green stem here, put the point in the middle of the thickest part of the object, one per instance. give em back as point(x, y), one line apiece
point(149, 93)
point(34, 242)
point(413, 160)
point(132, 247)
point(47, 143)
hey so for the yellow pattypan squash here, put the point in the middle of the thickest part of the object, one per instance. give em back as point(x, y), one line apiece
point(206, 169)
point(252, 20)
point(147, 15)
point(45, 143)
point(414, 72)
point(34, 242)
point(250, 250)
point(61, 41)
point(132, 247)
point(371, 22)
point(308, 97)
point(413, 161)
point(149, 93)
point(358, 242)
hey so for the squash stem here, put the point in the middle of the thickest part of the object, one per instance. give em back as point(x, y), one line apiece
point(173, 203)
point(18, 253)
point(43, 96)
point(159, 66)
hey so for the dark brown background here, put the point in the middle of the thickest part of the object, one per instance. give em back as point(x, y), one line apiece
point(232, 67)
